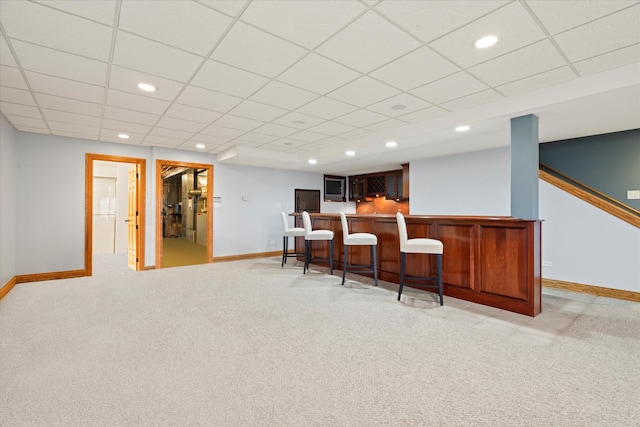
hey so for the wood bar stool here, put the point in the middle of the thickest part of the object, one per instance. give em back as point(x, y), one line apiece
point(418, 246)
point(286, 233)
point(358, 239)
point(311, 235)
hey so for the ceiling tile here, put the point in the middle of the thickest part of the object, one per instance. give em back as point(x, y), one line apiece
point(363, 92)
point(130, 116)
point(422, 115)
point(60, 64)
point(65, 88)
point(26, 121)
point(121, 126)
point(12, 77)
point(276, 130)
point(472, 100)
point(162, 141)
point(537, 81)
point(288, 143)
point(230, 7)
point(221, 132)
point(69, 105)
point(257, 111)
point(410, 103)
point(326, 108)
point(80, 135)
point(235, 122)
point(307, 136)
point(448, 88)
point(131, 101)
point(512, 24)
point(617, 58)
point(429, 20)
point(298, 120)
point(361, 118)
point(307, 23)
point(558, 16)
point(179, 124)
point(402, 74)
point(73, 128)
point(368, 43)
point(525, 62)
point(170, 133)
point(127, 81)
point(43, 131)
point(112, 135)
point(72, 118)
point(6, 57)
point(209, 139)
point(245, 143)
point(158, 59)
point(9, 108)
point(357, 133)
point(620, 30)
point(283, 95)
point(226, 79)
point(251, 49)
point(185, 112)
point(318, 74)
point(386, 125)
point(186, 25)
point(257, 137)
point(102, 11)
point(331, 128)
point(16, 96)
point(42, 25)
point(209, 100)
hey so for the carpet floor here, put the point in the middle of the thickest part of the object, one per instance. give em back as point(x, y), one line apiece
point(248, 343)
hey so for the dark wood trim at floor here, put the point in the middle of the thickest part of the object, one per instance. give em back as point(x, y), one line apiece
point(593, 290)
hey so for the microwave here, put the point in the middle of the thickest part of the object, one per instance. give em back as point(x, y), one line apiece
point(335, 188)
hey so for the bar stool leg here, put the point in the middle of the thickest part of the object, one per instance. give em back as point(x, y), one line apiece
point(285, 244)
point(439, 266)
point(403, 265)
point(344, 267)
point(375, 264)
point(331, 256)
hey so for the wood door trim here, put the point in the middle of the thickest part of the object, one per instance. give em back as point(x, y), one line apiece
point(209, 168)
point(88, 206)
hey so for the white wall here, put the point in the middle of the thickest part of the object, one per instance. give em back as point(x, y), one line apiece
point(477, 183)
point(8, 201)
point(585, 244)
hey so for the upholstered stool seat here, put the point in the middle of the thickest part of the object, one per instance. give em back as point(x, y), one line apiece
point(311, 235)
point(286, 233)
point(358, 239)
point(419, 246)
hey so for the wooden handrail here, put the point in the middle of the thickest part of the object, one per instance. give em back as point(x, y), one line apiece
point(596, 201)
point(586, 187)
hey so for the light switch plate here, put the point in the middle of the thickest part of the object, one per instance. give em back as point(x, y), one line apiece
point(633, 194)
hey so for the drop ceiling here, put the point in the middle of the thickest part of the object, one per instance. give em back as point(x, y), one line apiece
point(275, 83)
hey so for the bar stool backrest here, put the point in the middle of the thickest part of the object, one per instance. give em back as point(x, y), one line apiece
point(402, 230)
point(345, 226)
point(306, 222)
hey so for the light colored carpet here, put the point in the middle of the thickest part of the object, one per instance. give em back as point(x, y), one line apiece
point(248, 343)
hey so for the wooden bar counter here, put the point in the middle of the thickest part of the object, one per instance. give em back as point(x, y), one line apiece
point(494, 261)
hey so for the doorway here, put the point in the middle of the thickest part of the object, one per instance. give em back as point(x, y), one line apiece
point(135, 212)
point(184, 226)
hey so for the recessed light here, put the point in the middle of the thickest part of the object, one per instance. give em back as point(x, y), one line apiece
point(312, 161)
point(463, 128)
point(485, 42)
point(200, 146)
point(123, 136)
point(398, 107)
point(350, 153)
point(146, 87)
point(391, 144)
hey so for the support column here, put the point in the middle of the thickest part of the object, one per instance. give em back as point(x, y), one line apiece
point(524, 167)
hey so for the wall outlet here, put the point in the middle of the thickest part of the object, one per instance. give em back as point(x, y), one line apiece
point(633, 194)
point(547, 264)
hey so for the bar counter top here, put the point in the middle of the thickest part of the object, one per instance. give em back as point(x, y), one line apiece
point(491, 260)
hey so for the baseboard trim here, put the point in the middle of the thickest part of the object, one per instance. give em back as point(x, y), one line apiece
point(7, 287)
point(593, 290)
point(246, 256)
point(55, 275)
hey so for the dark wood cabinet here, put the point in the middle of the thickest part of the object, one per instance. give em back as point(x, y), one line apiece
point(394, 185)
point(357, 185)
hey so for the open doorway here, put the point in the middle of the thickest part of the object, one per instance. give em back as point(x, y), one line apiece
point(114, 223)
point(184, 227)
